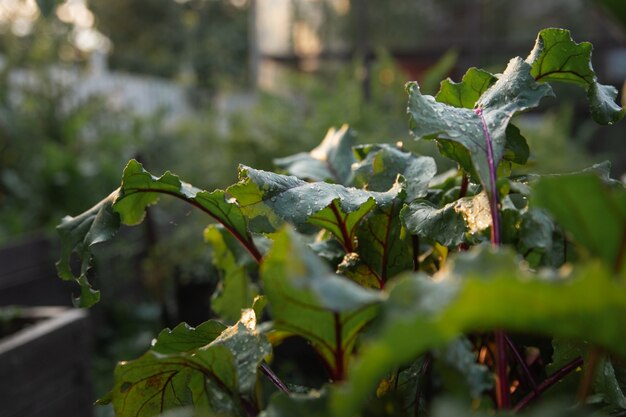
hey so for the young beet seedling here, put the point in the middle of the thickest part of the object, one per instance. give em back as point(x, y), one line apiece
point(386, 270)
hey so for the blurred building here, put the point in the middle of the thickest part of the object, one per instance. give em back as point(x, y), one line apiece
point(314, 34)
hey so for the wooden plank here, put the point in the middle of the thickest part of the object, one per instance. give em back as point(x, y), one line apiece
point(27, 260)
point(44, 367)
point(28, 275)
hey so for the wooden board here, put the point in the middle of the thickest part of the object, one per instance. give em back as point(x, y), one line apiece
point(28, 275)
point(44, 368)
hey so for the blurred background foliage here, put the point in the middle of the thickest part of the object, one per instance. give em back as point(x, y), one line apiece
point(261, 79)
point(258, 79)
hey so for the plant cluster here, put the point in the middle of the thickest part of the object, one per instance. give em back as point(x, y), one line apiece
point(44, 127)
point(422, 293)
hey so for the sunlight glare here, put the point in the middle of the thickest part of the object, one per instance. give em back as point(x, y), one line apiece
point(75, 12)
point(18, 15)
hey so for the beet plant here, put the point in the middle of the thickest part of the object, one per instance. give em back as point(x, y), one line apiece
point(474, 291)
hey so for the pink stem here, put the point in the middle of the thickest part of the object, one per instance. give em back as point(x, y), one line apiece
point(550, 381)
point(503, 395)
point(496, 236)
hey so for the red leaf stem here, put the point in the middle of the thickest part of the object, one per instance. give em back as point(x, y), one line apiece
point(550, 381)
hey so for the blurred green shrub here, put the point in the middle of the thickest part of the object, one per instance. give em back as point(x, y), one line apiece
point(51, 143)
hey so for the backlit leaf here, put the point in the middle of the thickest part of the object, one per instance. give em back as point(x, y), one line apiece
point(384, 245)
point(183, 337)
point(271, 199)
point(515, 91)
point(593, 212)
point(140, 189)
point(556, 57)
point(489, 292)
point(78, 234)
point(330, 161)
point(211, 376)
point(451, 224)
point(307, 299)
point(235, 291)
point(607, 386)
point(379, 166)
point(466, 93)
point(127, 205)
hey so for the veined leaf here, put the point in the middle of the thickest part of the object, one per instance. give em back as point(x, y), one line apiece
point(272, 199)
point(459, 357)
point(484, 290)
point(556, 57)
point(466, 93)
point(330, 161)
point(98, 224)
point(379, 166)
point(140, 189)
point(211, 376)
point(515, 91)
point(235, 291)
point(535, 231)
point(516, 148)
point(384, 245)
point(591, 211)
point(606, 384)
point(451, 224)
point(184, 338)
point(127, 205)
point(341, 224)
point(307, 299)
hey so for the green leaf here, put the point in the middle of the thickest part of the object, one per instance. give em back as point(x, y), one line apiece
point(516, 148)
point(211, 377)
point(451, 224)
point(270, 199)
point(141, 189)
point(515, 91)
point(556, 57)
point(185, 338)
point(606, 384)
point(458, 355)
point(235, 292)
point(484, 290)
point(341, 224)
point(466, 93)
point(153, 384)
point(379, 166)
point(127, 205)
point(78, 234)
point(591, 211)
point(411, 381)
point(384, 245)
point(330, 161)
point(535, 231)
point(306, 298)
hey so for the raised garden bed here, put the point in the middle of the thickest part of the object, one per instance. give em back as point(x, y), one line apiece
point(27, 275)
point(44, 364)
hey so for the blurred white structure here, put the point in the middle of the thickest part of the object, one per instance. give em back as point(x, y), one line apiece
point(138, 94)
